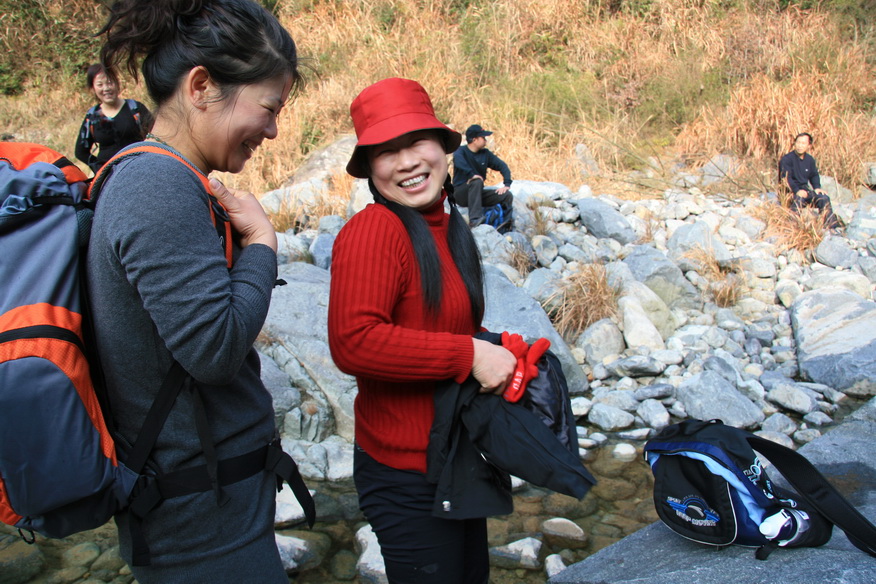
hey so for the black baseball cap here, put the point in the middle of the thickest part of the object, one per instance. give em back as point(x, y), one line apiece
point(475, 131)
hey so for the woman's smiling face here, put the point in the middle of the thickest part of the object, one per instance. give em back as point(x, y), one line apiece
point(238, 126)
point(106, 89)
point(410, 169)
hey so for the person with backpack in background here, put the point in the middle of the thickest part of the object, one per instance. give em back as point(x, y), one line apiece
point(406, 299)
point(470, 163)
point(113, 123)
point(163, 292)
point(799, 173)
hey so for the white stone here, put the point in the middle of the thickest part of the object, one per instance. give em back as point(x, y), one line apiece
point(553, 565)
point(370, 566)
point(288, 509)
point(624, 452)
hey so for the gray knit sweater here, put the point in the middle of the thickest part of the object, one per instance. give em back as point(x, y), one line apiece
point(160, 291)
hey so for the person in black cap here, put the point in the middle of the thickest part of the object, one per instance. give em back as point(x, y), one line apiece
point(470, 163)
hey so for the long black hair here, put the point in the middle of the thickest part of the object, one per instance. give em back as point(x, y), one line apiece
point(463, 249)
point(238, 42)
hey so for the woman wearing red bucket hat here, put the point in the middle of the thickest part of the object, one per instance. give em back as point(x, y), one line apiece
point(406, 299)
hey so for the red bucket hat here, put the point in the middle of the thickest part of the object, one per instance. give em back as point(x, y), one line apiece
point(388, 109)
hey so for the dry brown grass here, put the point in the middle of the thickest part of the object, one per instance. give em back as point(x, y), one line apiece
point(790, 230)
point(521, 260)
point(298, 217)
point(289, 217)
point(726, 284)
point(546, 75)
point(541, 223)
point(583, 298)
point(806, 83)
point(650, 226)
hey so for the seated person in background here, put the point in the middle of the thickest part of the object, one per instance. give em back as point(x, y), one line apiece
point(470, 164)
point(798, 171)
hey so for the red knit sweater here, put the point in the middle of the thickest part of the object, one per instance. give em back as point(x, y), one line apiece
point(380, 332)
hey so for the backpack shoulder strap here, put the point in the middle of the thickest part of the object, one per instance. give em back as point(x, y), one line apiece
point(818, 492)
point(91, 118)
point(218, 214)
point(135, 112)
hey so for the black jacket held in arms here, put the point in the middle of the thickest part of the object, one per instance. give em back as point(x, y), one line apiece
point(478, 439)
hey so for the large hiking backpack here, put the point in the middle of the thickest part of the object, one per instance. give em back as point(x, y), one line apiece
point(61, 470)
point(710, 487)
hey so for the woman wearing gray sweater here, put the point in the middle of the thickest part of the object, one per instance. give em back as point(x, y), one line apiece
point(160, 285)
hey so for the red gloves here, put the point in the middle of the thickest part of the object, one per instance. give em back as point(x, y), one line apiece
point(527, 357)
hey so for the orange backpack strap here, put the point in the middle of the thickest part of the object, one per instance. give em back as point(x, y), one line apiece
point(22, 154)
point(218, 213)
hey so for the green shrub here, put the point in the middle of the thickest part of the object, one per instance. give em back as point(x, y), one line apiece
point(11, 80)
point(46, 38)
point(675, 95)
point(860, 11)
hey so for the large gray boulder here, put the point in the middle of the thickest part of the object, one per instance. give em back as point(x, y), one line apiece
point(707, 396)
point(826, 278)
point(837, 192)
point(494, 247)
point(693, 238)
point(19, 562)
point(311, 181)
point(509, 308)
point(863, 224)
point(285, 395)
point(292, 196)
point(524, 190)
point(661, 275)
point(297, 340)
point(601, 339)
point(603, 221)
point(835, 333)
point(835, 252)
point(656, 310)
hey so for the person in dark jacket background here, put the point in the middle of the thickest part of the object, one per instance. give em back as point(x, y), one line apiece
point(113, 123)
point(470, 163)
point(798, 171)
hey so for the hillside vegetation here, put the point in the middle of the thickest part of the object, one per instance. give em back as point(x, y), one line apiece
point(639, 82)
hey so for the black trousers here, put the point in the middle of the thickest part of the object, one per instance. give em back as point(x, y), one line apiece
point(821, 202)
point(418, 548)
point(475, 196)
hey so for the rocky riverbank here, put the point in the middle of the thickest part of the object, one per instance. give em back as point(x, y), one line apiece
point(787, 360)
point(655, 555)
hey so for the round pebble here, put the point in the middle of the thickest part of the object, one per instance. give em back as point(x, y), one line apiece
point(624, 452)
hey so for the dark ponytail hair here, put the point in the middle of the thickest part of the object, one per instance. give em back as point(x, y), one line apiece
point(463, 249)
point(238, 42)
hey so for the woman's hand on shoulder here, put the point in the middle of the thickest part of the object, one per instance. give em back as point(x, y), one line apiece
point(248, 218)
point(493, 366)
